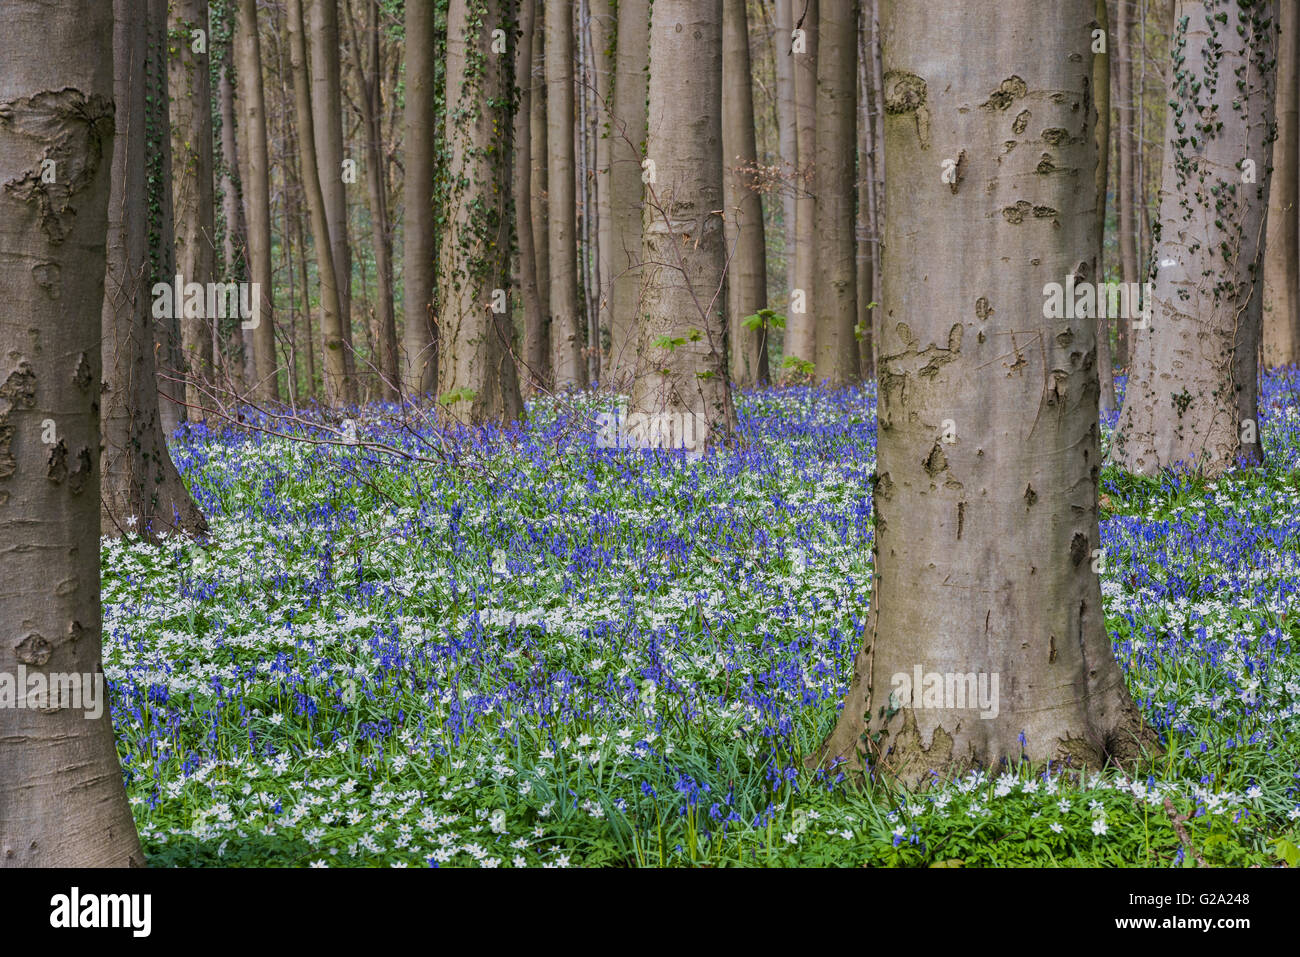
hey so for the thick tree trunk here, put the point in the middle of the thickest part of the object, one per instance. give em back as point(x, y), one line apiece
point(476, 367)
point(681, 346)
point(1101, 95)
point(986, 496)
point(1193, 389)
point(340, 389)
point(743, 219)
point(421, 363)
point(1282, 243)
point(168, 350)
point(801, 323)
point(257, 197)
point(786, 136)
point(627, 190)
point(534, 313)
point(327, 116)
point(867, 221)
point(190, 93)
point(567, 363)
point(836, 266)
point(62, 803)
point(141, 491)
point(1125, 149)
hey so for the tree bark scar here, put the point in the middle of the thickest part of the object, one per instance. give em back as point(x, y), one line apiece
point(73, 129)
point(17, 392)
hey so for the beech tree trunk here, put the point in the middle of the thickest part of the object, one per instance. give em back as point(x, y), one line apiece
point(567, 363)
point(327, 122)
point(988, 452)
point(834, 173)
point(743, 219)
point(1282, 242)
point(476, 367)
point(190, 93)
point(141, 491)
point(627, 191)
point(602, 55)
point(786, 137)
point(682, 348)
point(257, 197)
point(537, 337)
point(801, 323)
point(1101, 95)
point(534, 314)
point(1192, 393)
point(1125, 148)
point(419, 269)
point(236, 360)
point(62, 802)
point(340, 388)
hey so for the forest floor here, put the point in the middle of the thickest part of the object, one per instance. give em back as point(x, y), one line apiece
point(537, 652)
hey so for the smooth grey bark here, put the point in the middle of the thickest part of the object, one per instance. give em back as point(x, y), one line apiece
point(1125, 148)
point(567, 364)
point(627, 191)
point(141, 491)
point(1282, 236)
point(477, 381)
point(1193, 390)
point(603, 37)
point(981, 563)
point(534, 313)
point(743, 219)
point(340, 386)
point(1101, 98)
point(193, 197)
point(168, 349)
point(62, 801)
point(257, 197)
point(681, 344)
point(420, 368)
point(537, 337)
point(325, 46)
point(801, 326)
point(237, 356)
point(785, 125)
point(867, 220)
point(836, 254)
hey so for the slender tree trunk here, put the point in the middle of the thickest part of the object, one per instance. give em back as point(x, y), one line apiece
point(537, 338)
point(627, 191)
point(682, 357)
point(1192, 395)
point(234, 251)
point(988, 451)
point(786, 135)
point(327, 120)
point(476, 369)
point(743, 219)
point(602, 53)
point(257, 197)
point(339, 386)
point(1101, 96)
point(168, 349)
point(368, 82)
point(141, 490)
point(418, 338)
point(866, 218)
point(62, 803)
point(1282, 243)
point(1125, 148)
point(534, 314)
point(566, 334)
point(190, 93)
point(801, 323)
point(836, 268)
